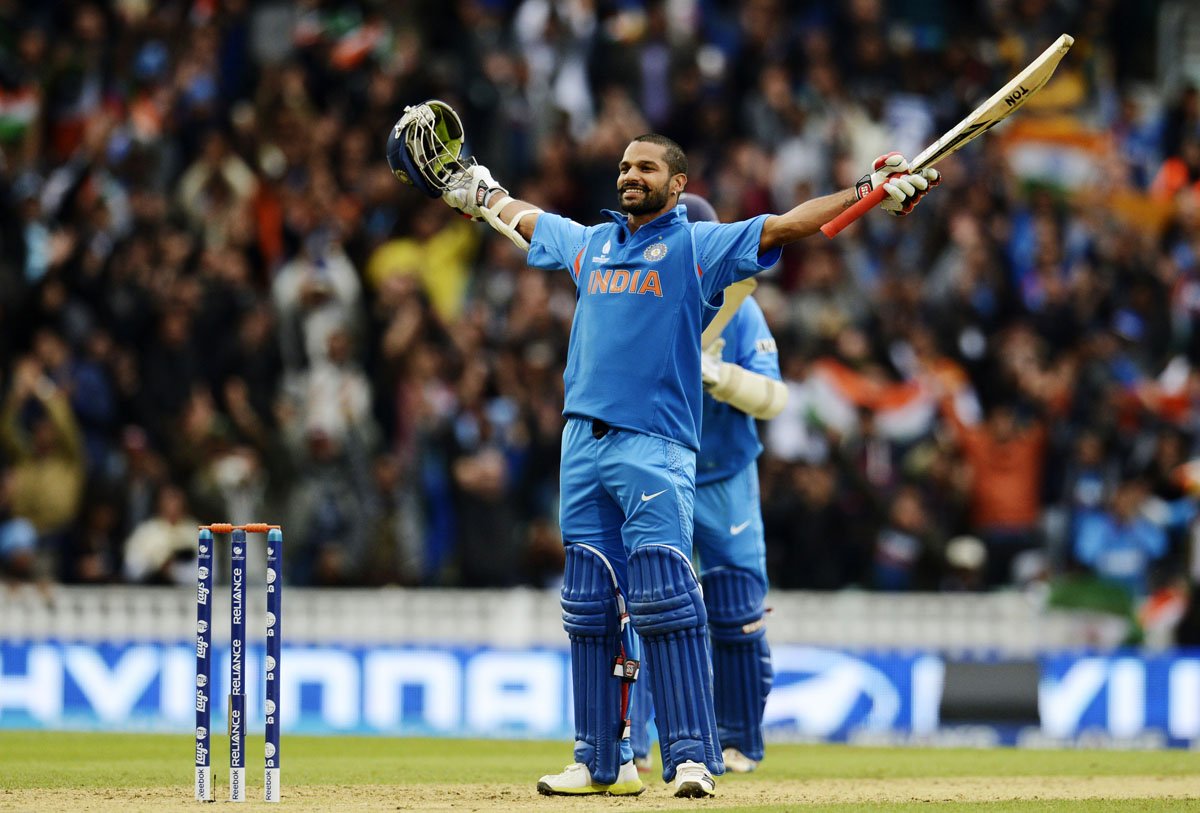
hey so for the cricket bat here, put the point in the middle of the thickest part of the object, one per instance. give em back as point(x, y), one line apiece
point(735, 295)
point(1003, 103)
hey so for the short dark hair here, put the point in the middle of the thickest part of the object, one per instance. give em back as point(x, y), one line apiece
point(672, 152)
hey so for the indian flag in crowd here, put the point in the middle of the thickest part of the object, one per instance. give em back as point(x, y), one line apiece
point(18, 110)
point(903, 410)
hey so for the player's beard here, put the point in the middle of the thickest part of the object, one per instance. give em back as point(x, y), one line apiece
point(652, 200)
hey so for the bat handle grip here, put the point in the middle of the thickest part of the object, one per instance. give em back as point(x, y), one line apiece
point(848, 216)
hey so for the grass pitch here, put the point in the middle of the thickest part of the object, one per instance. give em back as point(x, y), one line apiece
point(131, 772)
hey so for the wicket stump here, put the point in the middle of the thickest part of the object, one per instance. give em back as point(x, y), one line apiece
point(237, 655)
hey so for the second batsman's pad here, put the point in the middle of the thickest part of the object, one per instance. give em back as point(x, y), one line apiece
point(424, 148)
point(742, 670)
point(595, 618)
point(668, 613)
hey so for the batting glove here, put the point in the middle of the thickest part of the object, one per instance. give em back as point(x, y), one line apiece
point(920, 182)
point(473, 193)
point(904, 189)
point(710, 364)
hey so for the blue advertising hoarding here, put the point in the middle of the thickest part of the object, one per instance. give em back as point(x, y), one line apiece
point(819, 694)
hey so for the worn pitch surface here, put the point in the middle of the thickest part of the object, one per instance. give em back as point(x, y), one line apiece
point(129, 772)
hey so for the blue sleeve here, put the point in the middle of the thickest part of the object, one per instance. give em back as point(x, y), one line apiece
point(753, 345)
point(558, 242)
point(728, 252)
point(710, 309)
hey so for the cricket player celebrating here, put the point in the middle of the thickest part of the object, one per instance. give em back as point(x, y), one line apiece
point(727, 527)
point(647, 282)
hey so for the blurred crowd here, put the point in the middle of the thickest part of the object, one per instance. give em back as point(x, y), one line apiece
point(217, 304)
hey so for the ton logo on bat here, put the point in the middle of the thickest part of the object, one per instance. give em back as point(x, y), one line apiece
point(1012, 98)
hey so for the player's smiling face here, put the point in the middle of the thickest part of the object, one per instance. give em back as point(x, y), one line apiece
point(644, 182)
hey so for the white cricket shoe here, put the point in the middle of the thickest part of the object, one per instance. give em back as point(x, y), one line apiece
point(738, 762)
point(692, 780)
point(576, 780)
point(643, 764)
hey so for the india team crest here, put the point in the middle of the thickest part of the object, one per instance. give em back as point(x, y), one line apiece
point(655, 252)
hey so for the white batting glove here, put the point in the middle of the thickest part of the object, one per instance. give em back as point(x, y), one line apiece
point(885, 168)
point(710, 364)
point(904, 189)
point(472, 194)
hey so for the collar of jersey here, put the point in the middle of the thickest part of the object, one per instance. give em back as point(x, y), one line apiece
point(669, 218)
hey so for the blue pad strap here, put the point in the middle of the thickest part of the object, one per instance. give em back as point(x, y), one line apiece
point(741, 658)
point(592, 614)
point(668, 613)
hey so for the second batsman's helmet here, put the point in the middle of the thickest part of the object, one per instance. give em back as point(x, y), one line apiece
point(698, 209)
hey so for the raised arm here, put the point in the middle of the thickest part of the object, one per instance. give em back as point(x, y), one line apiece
point(481, 198)
point(514, 212)
point(424, 149)
point(904, 191)
point(804, 220)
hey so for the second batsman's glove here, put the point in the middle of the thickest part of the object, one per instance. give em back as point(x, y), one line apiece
point(710, 364)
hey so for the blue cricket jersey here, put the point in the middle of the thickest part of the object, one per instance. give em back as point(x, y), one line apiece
point(634, 355)
point(729, 441)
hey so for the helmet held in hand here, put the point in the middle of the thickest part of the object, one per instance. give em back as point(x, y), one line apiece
point(424, 148)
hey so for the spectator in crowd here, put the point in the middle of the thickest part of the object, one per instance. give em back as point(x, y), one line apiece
point(1118, 543)
point(215, 191)
point(906, 548)
point(334, 394)
point(18, 538)
point(331, 481)
point(200, 242)
point(41, 436)
point(966, 561)
point(395, 553)
point(439, 253)
point(814, 541)
point(95, 548)
point(162, 549)
point(85, 382)
point(315, 294)
point(1005, 459)
point(1088, 478)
